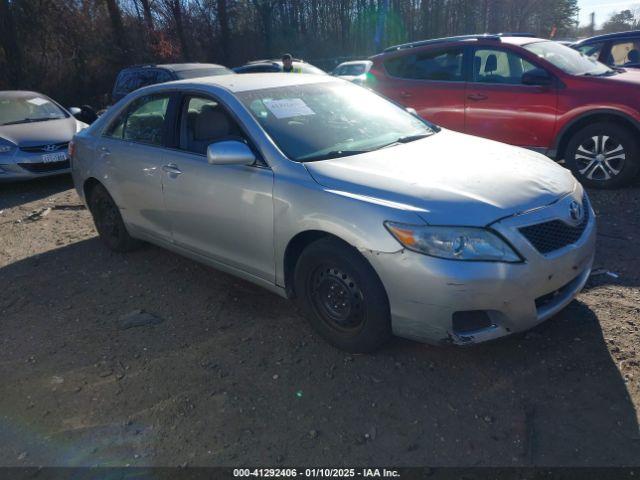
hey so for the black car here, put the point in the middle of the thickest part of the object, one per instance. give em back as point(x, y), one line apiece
point(264, 66)
point(615, 49)
point(138, 76)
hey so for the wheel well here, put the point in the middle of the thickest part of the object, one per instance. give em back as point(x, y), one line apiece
point(89, 185)
point(295, 248)
point(585, 121)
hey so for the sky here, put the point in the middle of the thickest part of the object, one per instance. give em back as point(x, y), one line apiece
point(603, 8)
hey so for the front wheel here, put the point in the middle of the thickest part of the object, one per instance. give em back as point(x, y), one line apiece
point(342, 296)
point(603, 155)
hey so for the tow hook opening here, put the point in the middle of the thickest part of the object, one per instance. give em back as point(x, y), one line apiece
point(468, 322)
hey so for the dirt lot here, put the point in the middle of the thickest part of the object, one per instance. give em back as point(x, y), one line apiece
point(234, 376)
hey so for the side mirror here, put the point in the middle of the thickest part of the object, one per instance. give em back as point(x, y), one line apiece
point(230, 152)
point(412, 111)
point(75, 111)
point(537, 76)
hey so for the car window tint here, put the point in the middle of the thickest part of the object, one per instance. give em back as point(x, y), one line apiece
point(143, 121)
point(499, 66)
point(592, 51)
point(204, 121)
point(624, 53)
point(443, 65)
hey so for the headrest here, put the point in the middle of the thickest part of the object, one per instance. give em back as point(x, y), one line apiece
point(211, 123)
point(491, 65)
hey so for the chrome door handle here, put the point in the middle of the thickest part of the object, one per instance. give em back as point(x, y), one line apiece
point(105, 151)
point(477, 97)
point(172, 169)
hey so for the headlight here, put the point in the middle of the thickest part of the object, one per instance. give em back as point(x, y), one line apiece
point(453, 243)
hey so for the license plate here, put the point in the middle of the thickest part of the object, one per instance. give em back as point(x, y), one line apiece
point(54, 157)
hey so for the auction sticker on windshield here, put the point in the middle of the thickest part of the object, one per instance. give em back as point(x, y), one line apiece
point(38, 101)
point(288, 107)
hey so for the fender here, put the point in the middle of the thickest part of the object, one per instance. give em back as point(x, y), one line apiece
point(592, 113)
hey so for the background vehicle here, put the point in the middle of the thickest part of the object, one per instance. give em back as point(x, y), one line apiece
point(138, 76)
point(266, 66)
point(360, 214)
point(354, 71)
point(525, 91)
point(34, 134)
point(614, 49)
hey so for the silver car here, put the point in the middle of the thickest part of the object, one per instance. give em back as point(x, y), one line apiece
point(375, 221)
point(34, 134)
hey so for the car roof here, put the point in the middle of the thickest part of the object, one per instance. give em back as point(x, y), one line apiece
point(610, 36)
point(256, 81)
point(177, 67)
point(511, 38)
point(19, 94)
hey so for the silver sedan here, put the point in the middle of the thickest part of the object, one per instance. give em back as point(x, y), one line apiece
point(375, 221)
point(34, 134)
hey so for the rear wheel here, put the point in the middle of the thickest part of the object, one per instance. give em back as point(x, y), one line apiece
point(108, 221)
point(342, 296)
point(603, 155)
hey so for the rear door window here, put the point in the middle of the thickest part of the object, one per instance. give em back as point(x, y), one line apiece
point(143, 121)
point(437, 65)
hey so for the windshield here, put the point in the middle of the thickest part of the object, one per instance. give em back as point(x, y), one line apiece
point(202, 72)
point(27, 109)
point(333, 119)
point(568, 59)
point(355, 69)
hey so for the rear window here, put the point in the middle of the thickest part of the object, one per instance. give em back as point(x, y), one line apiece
point(131, 80)
point(202, 72)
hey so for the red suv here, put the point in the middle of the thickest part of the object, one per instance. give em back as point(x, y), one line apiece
point(526, 91)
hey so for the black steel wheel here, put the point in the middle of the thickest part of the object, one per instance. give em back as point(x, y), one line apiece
point(342, 296)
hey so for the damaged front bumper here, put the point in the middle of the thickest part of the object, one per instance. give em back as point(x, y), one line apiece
point(426, 294)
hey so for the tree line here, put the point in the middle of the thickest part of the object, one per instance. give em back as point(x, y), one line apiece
point(73, 49)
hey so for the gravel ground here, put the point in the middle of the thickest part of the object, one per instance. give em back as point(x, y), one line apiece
point(225, 373)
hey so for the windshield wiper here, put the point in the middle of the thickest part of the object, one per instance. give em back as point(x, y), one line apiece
point(407, 139)
point(333, 154)
point(30, 120)
point(603, 74)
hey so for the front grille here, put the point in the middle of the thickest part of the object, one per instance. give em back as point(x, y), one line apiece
point(553, 235)
point(52, 147)
point(45, 167)
point(552, 298)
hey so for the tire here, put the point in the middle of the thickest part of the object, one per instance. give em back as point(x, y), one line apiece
point(108, 221)
point(603, 155)
point(342, 296)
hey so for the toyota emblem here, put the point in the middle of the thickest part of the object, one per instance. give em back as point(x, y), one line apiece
point(575, 210)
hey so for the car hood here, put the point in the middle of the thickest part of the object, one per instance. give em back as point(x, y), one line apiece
point(449, 178)
point(40, 133)
point(629, 76)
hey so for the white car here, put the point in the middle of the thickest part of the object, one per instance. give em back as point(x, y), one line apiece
point(355, 71)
